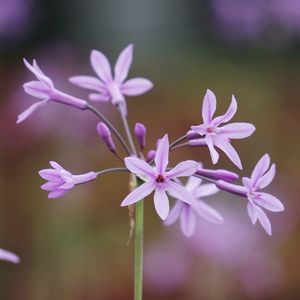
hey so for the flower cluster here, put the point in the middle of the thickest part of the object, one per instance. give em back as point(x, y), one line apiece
point(151, 169)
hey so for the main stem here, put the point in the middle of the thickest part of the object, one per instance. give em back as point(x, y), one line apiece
point(138, 224)
point(138, 250)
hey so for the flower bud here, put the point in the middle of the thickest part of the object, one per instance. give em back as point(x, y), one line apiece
point(105, 134)
point(140, 133)
point(150, 155)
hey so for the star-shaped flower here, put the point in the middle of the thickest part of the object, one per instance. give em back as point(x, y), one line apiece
point(60, 181)
point(111, 87)
point(260, 178)
point(159, 180)
point(187, 213)
point(215, 136)
point(43, 88)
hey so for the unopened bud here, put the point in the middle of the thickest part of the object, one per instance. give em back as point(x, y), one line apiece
point(140, 133)
point(150, 155)
point(105, 134)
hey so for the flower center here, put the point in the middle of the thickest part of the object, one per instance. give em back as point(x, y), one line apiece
point(210, 129)
point(160, 179)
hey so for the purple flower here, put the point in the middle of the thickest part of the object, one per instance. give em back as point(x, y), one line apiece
point(9, 256)
point(215, 136)
point(61, 181)
point(109, 87)
point(43, 88)
point(159, 180)
point(260, 178)
point(187, 213)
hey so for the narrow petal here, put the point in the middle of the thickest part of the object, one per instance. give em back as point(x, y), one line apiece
point(101, 65)
point(56, 166)
point(205, 190)
point(179, 192)
point(138, 166)
point(29, 111)
point(228, 115)
point(260, 168)
point(266, 179)
point(184, 168)
point(36, 89)
point(161, 203)
point(251, 209)
point(231, 188)
point(136, 86)
point(88, 82)
point(208, 213)
point(226, 147)
point(187, 221)
point(51, 185)
point(209, 106)
point(174, 213)
point(35, 69)
point(213, 153)
point(9, 256)
point(247, 184)
point(100, 97)
point(192, 183)
point(264, 220)
point(139, 193)
point(50, 174)
point(57, 193)
point(162, 155)
point(236, 130)
point(123, 64)
point(269, 202)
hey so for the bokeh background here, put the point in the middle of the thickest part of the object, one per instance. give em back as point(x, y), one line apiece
point(75, 247)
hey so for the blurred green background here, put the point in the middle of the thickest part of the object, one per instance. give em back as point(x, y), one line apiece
point(75, 247)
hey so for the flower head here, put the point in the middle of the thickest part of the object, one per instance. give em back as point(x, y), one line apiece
point(187, 213)
point(159, 180)
point(43, 88)
point(112, 87)
point(9, 256)
point(60, 181)
point(215, 136)
point(261, 177)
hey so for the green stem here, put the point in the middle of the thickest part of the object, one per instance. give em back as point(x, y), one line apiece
point(138, 250)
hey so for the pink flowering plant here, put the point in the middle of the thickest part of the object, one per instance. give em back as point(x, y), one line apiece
point(185, 185)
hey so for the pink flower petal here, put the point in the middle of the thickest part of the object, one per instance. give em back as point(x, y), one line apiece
point(37, 89)
point(208, 213)
point(264, 220)
point(50, 174)
point(205, 190)
point(260, 168)
point(29, 111)
point(174, 213)
point(236, 130)
point(199, 129)
point(136, 86)
point(138, 166)
point(123, 64)
point(51, 185)
point(266, 179)
point(161, 203)
point(185, 168)
point(179, 192)
point(228, 115)
point(100, 97)
point(208, 106)
point(192, 183)
point(269, 202)
point(187, 221)
point(57, 193)
point(162, 155)
point(139, 193)
point(213, 153)
point(9, 256)
point(101, 65)
point(88, 82)
point(56, 166)
point(251, 209)
point(226, 147)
